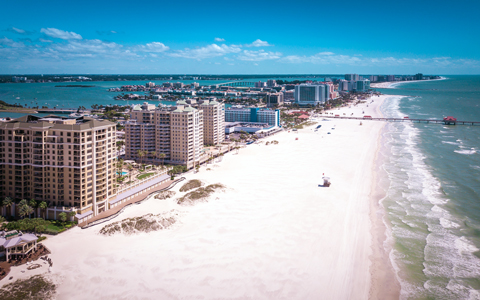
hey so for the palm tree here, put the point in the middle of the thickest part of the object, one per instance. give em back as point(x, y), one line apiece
point(119, 167)
point(28, 210)
point(162, 156)
point(130, 168)
point(154, 154)
point(33, 204)
point(43, 206)
point(7, 202)
point(141, 154)
point(23, 202)
point(72, 214)
point(22, 212)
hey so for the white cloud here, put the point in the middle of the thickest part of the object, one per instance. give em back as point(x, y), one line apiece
point(258, 43)
point(17, 30)
point(45, 41)
point(10, 43)
point(155, 47)
point(212, 50)
point(89, 48)
point(219, 40)
point(60, 34)
point(251, 55)
point(322, 58)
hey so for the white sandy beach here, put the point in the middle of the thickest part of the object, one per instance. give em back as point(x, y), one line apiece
point(392, 84)
point(273, 234)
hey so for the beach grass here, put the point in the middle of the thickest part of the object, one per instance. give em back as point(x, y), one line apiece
point(165, 195)
point(146, 223)
point(190, 185)
point(35, 287)
point(200, 193)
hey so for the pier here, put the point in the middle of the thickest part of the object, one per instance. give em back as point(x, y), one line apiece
point(444, 121)
point(56, 111)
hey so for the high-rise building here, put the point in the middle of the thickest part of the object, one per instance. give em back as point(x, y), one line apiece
point(178, 85)
point(213, 122)
point(343, 85)
point(352, 77)
point(64, 162)
point(259, 84)
point(253, 115)
point(419, 76)
point(289, 95)
point(390, 77)
point(150, 84)
point(271, 83)
point(176, 132)
point(310, 94)
point(362, 85)
point(273, 99)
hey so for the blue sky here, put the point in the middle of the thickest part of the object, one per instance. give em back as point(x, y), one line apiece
point(240, 37)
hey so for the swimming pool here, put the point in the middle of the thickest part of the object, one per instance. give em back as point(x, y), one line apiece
point(122, 173)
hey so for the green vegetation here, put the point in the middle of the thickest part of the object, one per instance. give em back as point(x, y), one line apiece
point(35, 287)
point(144, 223)
point(143, 176)
point(42, 238)
point(38, 225)
point(165, 195)
point(306, 124)
point(177, 170)
point(191, 184)
point(7, 106)
point(200, 193)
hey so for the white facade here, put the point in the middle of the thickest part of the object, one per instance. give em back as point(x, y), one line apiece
point(306, 94)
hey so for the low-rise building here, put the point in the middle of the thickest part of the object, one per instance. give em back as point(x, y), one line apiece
point(14, 244)
point(273, 99)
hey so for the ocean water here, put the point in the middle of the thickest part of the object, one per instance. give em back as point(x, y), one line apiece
point(40, 94)
point(432, 201)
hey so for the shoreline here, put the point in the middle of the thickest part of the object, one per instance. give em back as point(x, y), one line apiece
point(273, 233)
point(392, 84)
point(384, 283)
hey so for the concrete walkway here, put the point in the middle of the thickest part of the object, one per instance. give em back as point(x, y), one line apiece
point(138, 198)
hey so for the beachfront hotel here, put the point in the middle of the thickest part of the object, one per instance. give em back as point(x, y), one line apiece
point(310, 94)
point(176, 131)
point(253, 115)
point(361, 85)
point(68, 163)
point(213, 122)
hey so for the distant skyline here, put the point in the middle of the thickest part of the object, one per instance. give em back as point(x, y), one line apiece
point(248, 37)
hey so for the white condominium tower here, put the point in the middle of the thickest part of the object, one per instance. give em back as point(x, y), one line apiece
point(176, 132)
point(213, 122)
point(64, 162)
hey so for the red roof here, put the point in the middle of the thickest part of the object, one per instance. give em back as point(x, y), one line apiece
point(303, 117)
point(449, 118)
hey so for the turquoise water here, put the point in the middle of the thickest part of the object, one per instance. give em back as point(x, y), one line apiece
point(40, 94)
point(122, 173)
point(433, 193)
